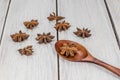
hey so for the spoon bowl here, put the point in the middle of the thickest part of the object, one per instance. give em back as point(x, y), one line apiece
point(82, 55)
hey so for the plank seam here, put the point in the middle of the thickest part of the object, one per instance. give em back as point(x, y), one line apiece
point(5, 21)
point(112, 23)
point(58, 63)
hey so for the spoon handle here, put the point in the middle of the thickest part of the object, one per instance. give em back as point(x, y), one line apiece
point(107, 66)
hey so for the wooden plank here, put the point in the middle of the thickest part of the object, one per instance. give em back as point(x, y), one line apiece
point(102, 44)
point(3, 10)
point(42, 65)
point(114, 7)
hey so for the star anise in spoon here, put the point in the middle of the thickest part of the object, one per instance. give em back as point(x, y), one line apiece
point(31, 24)
point(44, 38)
point(19, 37)
point(84, 33)
point(62, 26)
point(26, 51)
point(68, 50)
point(53, 16)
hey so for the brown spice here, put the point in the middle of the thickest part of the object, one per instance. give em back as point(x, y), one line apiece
point(68, 50)
point(31, 24)
point(26, 51)
point(44, 38)
point(19, 37)
point(53, 16)
point(84, 33)
point(62, 26)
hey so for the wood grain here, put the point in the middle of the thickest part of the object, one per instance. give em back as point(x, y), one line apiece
point(42, 65)
point(102, 44)
point(114, 8)
point(3, 11)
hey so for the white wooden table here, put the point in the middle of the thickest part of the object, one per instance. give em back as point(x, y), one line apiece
point(101, 16)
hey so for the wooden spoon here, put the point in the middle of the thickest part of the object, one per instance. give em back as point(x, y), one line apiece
point(84, 56)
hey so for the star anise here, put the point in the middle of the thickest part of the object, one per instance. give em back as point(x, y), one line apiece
point(84, 33)
point(26, 51)
point(31, 24)
point(68, 50)
point(53, 16)
point(62, 26)
point(44, 38)
point(19, 37)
